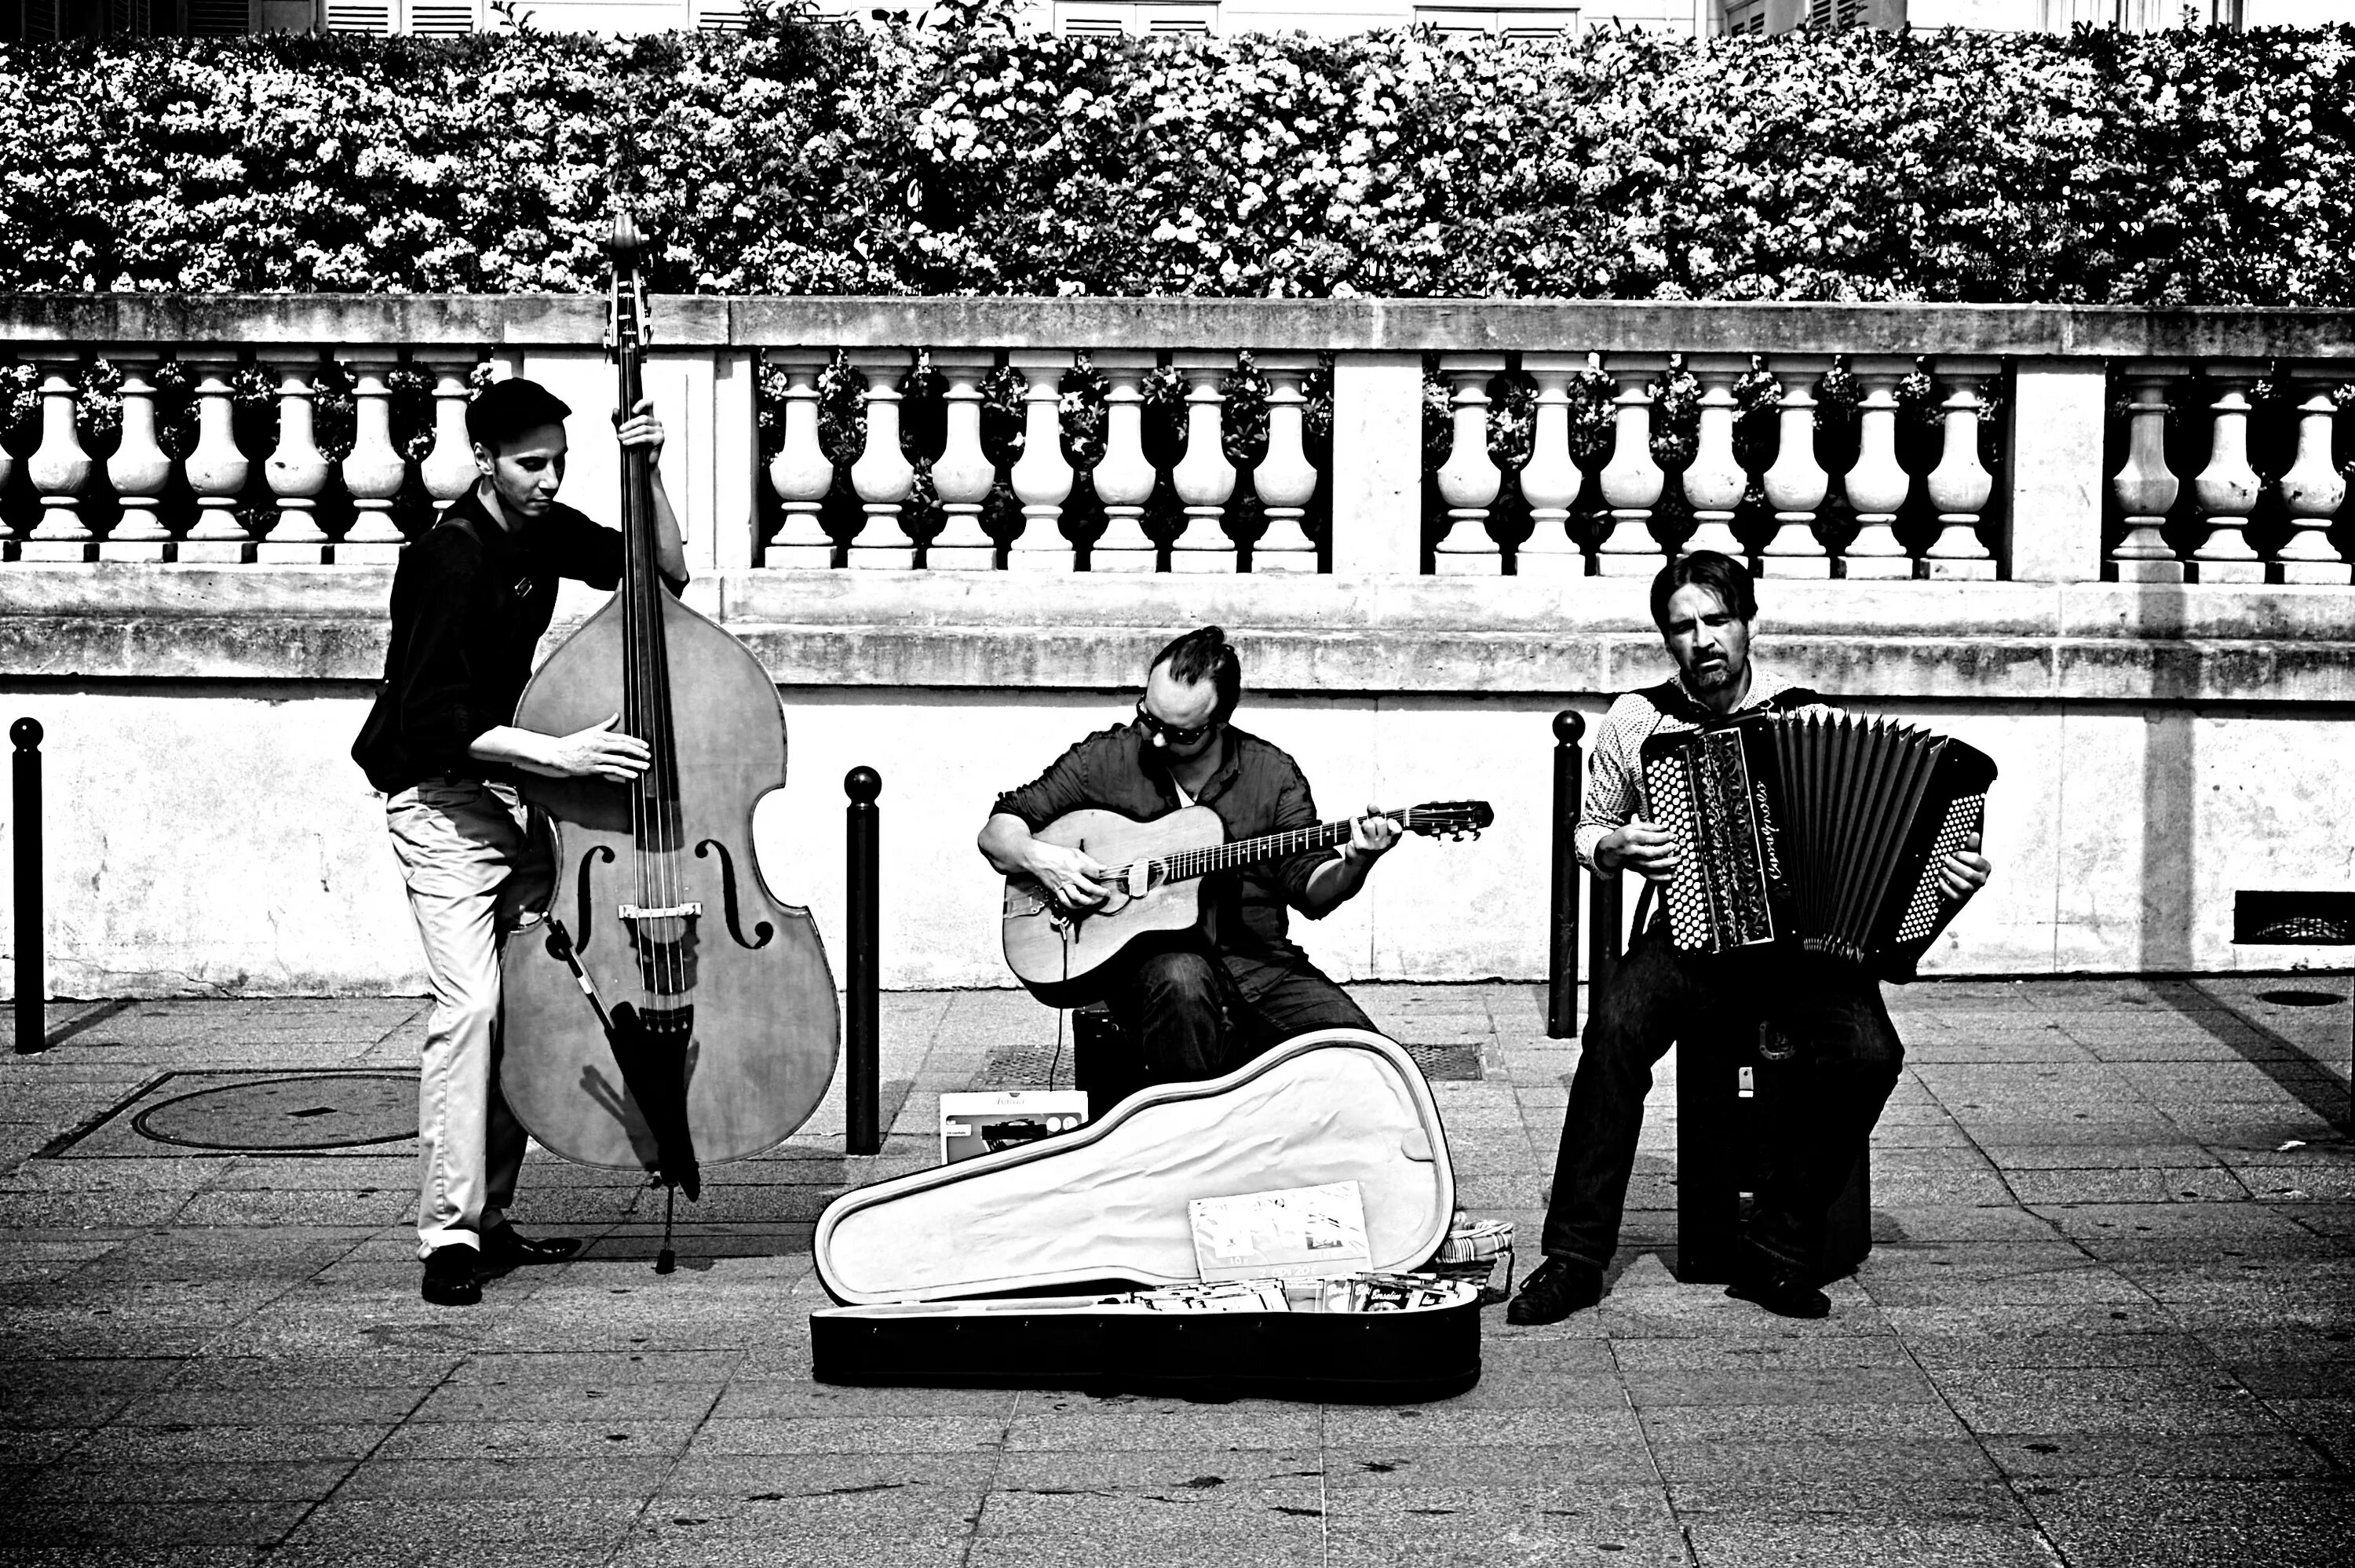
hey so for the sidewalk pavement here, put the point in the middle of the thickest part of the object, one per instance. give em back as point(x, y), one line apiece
point(2108, 1322)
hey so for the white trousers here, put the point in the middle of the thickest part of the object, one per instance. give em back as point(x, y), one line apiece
point(475, 871)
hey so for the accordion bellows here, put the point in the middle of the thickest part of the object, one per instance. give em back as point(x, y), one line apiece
point(1822, 832)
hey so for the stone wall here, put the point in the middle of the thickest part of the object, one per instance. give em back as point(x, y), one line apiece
point(2160, 747)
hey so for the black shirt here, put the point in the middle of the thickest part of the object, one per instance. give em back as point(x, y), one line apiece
point(470, 602)
point(1258, 790)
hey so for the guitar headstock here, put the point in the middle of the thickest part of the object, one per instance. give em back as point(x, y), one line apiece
point(1448, 819)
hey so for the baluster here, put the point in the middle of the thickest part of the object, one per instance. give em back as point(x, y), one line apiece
point(1795, 482)
point(1878, 484)
point(448, 470)
point(1549, 480)
point(139, 469)
point(59, 469)
point(883, 477)
point(297, 471)
point(1285, 478)
point(2312, 491)
point(1204, 479)
point(1041, 476)
point(373, 471)
point(1716, 480)
point(2146, 488)
point(1959, 486)
point(1123, 480)
point(800, 473)
point(217, 469)
point(963, 474)
point(1632, 483)
point(1469, 480)
point(2227, 488)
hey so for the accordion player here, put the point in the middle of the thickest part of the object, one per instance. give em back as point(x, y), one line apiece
point(1822, 831)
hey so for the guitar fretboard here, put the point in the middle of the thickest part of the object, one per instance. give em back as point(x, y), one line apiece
point(1188, 863)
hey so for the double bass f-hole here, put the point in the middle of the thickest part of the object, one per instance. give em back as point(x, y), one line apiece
point(761, 929)
point(585, 922)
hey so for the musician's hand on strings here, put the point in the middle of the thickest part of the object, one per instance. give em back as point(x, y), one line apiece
point(1370, 837)
point(641, 429)
point(1073, 878)
point(1643, 846)
point(1965, 871)
point(600, 751)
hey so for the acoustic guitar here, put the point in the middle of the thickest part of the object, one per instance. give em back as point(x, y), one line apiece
point(1059, 952)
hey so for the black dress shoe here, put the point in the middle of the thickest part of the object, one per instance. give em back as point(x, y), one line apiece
point(506, 1247)
point(449, 1276)
point(1782, 1289)
point(1557, 1287)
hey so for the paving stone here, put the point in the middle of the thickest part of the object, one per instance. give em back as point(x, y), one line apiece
point(1769, 1544)
point(1609, 1463)
point(785, 1476)
point(1280, 1542)
point(492, 1477)
point(2251, 1455)
point(141, 1525)
point(203, 1480)
point(1854, 1497)
point(477, 1403)
point(855, 1434)
point(2149, 1522)
point(1092, 1511)
point(1813, 1386)
point(1542, 1541)
point(456, 1524)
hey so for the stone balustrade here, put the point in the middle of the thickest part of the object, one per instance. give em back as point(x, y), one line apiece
point(2109, 547)
point(1360, 438)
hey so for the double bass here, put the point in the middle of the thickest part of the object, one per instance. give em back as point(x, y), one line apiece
point(671, 1013)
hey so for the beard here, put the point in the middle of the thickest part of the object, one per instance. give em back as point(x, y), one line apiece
point(1713, 674)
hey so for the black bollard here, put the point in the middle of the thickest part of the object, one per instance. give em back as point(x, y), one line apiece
point(862, 1054)
point(32, 984)
point(1561, 967)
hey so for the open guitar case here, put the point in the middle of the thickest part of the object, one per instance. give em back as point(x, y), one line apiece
point(1061, 1262)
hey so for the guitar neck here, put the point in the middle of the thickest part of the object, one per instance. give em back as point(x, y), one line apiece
point(1188, 863)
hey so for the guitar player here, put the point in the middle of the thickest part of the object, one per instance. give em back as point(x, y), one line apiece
point(1204, 1002)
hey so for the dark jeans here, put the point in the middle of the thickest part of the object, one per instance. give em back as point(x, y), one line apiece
point(1846, 1063)
point(1195, 1015)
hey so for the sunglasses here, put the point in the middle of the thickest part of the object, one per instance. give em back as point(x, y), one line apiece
point(1169, 733)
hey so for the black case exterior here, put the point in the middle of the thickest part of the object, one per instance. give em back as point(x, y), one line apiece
point(1357, 1357)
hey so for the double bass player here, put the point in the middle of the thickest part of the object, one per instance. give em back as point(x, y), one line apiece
point(470, 602)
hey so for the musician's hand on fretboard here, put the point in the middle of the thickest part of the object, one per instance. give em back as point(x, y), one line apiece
point(1369, 836)
point(1965, 871)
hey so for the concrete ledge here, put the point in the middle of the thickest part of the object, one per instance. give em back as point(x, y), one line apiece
point(706, 322)
point(1483, 637)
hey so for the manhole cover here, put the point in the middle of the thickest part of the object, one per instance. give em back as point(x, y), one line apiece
point(2300, 997)
point(333, 1110)
point(1458, 1060)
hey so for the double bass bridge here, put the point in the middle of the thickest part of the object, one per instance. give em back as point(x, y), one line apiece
point(665, 912)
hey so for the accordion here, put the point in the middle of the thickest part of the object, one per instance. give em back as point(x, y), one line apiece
point(1819, 832)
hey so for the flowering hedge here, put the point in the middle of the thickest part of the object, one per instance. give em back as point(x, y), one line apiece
point(2175, 168)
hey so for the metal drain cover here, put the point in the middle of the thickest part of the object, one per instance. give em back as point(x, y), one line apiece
point(312, 1111)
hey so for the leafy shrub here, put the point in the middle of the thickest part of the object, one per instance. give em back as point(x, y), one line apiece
point(2175, 168)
